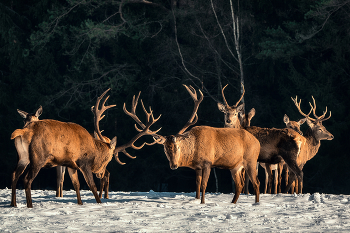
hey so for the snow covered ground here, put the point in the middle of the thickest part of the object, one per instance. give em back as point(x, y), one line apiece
point(174, 212)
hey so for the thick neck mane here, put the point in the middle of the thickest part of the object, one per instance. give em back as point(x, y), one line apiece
point(313, 143)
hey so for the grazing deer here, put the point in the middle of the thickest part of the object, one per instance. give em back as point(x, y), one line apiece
point(60, 170)
point(204, 147)
point(276, 145)
point(50, 143)
point(313, 136)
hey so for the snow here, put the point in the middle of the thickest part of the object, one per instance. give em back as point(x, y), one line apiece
point(174, 212)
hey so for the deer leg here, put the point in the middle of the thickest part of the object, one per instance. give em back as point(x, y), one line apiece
point(73, 174)
point(269, 175)
point(266, 178)
point(22, 163)
point(246, 184)
point(107, 175)
point(60, 171)
point(276, 180)
point(199, 173)
point(28, 179)
point(21, 166)
point(280, 169)
point(286, 175)
point(238, 177)
point(205, 178)
point(104, 184)
point(87, 173)
point(253, 176)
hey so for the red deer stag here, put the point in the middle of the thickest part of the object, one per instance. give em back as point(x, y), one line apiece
point(60, 170)
point(276, 145)
point(49, 143)
point(313, 136)
point(204, 147)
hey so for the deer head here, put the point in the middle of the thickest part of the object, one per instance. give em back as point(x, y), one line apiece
point(28, 117)
point(116, 149)
point(170, 143)
point(295, 125)
point(231, 112)
point(319, 132)
point(245, 119)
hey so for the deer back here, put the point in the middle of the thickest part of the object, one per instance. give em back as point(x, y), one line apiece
point(67, 144)
point(204, 144)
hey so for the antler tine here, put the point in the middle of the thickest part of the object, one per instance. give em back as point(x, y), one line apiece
point(322, 117)
point(132, 114)
point(314, 107)
point(193, 119)
point(143, 132)
point(98, 113)
point(241, 96)
point(223, 95)
point(297, 104)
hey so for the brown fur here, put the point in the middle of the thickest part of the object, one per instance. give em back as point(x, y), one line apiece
point(276, 145)
point(204, 147)
point(49, 143)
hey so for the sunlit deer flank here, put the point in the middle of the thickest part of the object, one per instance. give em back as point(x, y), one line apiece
point(50, 143)
point(204, 147)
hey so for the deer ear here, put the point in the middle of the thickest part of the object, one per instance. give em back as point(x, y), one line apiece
point(221, 107)
point(286, 119)
point(39, 111)
point(251, 113)
point(22, 113)
point(301, 121)
point(240, 108)
point(113, 143)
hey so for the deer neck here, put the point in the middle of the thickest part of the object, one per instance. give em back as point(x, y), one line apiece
point(187, 150)
point(313, 143)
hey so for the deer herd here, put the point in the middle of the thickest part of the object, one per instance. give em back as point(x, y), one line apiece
point(237, 146)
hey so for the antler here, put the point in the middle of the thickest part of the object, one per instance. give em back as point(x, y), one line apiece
point(319, 118)
point(313, 110)
point(98, 113)
point(145, 131)
point(297, 104)
point(223, 96)
point(193, 119)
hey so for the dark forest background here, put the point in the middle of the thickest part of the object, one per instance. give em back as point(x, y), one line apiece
point(62, 54)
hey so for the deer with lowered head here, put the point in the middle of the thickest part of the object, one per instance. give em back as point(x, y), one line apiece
point(312, 138)
point(276, 145)
point(60, 170)
point(204, 147)
point(50, 143)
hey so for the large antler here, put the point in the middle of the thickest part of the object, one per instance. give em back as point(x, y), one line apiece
point(98, 113)
point(223, 97)
point(145, 129)
point(313, 110)
point(194, 117)
point(319, 118)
